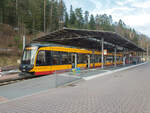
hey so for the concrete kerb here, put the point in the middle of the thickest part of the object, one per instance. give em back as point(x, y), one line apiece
point(110, 72)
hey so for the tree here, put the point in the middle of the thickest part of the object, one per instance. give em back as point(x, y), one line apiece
point(66, 19)
point(121, 23)
point(86, 19)
point(2, 4)
point(79, 18)
point(27, 16)
point(44, 15)
point(104, 22)
point(72, 17)
point(92, 23)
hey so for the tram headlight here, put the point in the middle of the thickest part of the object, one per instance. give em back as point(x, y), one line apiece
point(26, 68)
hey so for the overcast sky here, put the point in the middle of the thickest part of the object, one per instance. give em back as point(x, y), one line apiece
point(135, 13)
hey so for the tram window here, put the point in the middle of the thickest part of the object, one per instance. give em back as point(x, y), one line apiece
point(118, 58)
point(105, 60)
point(55, 58)
point(41, 59)
point(65, 58)
point(82, 58)
point(48, 57)
point(70, 58)
point(113, 59)
point(92, 58)
point(121, 58)
point(97, 58)
point(109, 59)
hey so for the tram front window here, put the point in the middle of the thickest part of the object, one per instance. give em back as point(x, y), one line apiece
point(29, 55)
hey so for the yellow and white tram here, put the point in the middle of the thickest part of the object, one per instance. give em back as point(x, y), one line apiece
point(44, 59)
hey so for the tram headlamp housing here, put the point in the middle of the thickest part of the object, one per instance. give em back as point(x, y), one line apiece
point(25, 68)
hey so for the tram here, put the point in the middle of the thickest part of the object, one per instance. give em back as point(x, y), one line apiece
point(45, 59)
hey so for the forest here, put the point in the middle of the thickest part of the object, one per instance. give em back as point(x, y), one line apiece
point(33, 18)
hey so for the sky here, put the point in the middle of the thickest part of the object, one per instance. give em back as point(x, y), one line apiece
point(134, 13)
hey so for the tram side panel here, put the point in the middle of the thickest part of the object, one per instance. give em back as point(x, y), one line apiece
point(47, 62)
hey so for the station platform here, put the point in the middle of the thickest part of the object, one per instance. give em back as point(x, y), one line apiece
point(124, 91)
point(35, 85)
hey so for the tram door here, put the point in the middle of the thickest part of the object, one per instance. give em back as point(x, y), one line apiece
point(88, 61)
point(74, 60)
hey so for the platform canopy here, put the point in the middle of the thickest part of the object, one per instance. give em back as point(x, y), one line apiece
point(90, 39)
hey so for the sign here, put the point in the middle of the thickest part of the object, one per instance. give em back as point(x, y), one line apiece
point(105, 51)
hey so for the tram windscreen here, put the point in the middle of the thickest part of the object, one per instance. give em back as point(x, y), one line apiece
point(29, 55)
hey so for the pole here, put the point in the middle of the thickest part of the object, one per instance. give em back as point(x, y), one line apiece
point(75, 61)
point(142, 57)
point(129, 57)
point(102, 57)
point(24, 41)
point(88, 61)
point(124, 57)
point(147, 53)
point(115, 56)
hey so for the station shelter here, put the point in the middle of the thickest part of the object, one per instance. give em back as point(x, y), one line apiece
point(103, 41)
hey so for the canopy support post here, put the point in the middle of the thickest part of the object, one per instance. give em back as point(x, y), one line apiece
point(124, 57)
point(142, 57)
point(115, 57)
point(102, 49)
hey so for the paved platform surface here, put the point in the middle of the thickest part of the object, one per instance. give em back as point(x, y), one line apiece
point(122, 92)
point(35, 85)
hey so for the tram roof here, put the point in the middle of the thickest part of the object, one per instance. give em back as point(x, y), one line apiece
point(90, 39)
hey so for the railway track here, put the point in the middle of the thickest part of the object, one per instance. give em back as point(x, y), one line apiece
point(8, 68)
point(16, 79)
point(10, 82)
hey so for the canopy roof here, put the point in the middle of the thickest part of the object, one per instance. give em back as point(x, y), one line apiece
point(90, 39)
